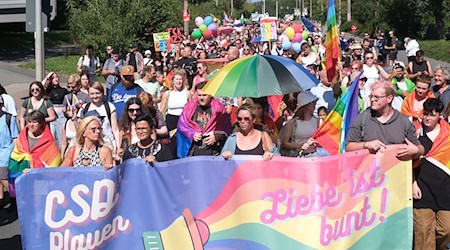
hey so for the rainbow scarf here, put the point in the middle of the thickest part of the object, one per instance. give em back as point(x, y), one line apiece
point(408, 105)
point(44, 154)
point(333, 51)
point(439, 153)
point(332, 133)
point(219, 122)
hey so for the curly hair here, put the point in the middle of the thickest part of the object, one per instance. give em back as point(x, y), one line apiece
point(125, 122)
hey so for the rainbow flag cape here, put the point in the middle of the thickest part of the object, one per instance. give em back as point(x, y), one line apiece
point(186, 128)
point(333, 52)
point(44, 154)
point(439, 153)
point(332, 133)
point(168, 79)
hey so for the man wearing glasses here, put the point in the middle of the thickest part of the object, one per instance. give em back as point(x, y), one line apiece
point(381, 125)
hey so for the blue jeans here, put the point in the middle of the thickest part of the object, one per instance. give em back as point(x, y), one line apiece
point(56, 128)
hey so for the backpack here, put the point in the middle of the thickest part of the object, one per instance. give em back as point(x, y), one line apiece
point(399, 45)
point(107, 108)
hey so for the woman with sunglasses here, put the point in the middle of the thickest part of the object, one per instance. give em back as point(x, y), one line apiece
point(133, 109)
point(355, 69)
point(248, 140)
point(373, 72)
point(111, 134)
point(203, 72)
point(89, 150)
point(299, 130)
point(37, 101)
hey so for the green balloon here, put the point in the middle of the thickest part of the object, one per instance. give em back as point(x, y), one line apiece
point(305, 35)
point(203, 28)
point(196, 34)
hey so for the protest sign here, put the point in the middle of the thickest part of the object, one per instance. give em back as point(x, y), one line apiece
point(161, 41)
point(350, 201)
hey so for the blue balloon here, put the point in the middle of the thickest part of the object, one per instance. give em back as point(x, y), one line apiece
point(286, 45)
point(208, 20)
point(297, 47)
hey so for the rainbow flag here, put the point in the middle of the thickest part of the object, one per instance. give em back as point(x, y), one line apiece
point(439, 153)
point(332, 133)
point(44, 154)
point(333, 52)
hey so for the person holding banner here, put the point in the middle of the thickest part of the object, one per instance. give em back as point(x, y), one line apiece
point(147, 148)
point(89, 150)
point(248, 140)
point(382, 125)
point(431, 187)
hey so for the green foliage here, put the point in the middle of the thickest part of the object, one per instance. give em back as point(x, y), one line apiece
point(121, 22)
point(436, 49)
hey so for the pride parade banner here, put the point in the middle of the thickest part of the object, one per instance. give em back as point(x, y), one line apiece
point(350, 201)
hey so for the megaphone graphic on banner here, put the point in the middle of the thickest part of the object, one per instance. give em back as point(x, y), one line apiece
point(184, 233)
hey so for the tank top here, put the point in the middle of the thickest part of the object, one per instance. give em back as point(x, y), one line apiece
point(419, 67)
point(372, 75)
point(303, 131)
point(70, 134)
point(93, 157)
point(258, 150)
point(176, 102)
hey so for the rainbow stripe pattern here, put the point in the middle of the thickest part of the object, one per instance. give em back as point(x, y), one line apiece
point(439, 153)
point(333, 49)
point(44, 154)
point(331, 135)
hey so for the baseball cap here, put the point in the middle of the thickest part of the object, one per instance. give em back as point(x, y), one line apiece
point(391, 32)
point(115, 51)
point(127, 70)
point(147, 52)
point(133, 45)
point(93, 113)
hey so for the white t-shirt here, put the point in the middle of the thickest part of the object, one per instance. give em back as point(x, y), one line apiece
point(9, 104)
point(106, 125)
point(85, 63)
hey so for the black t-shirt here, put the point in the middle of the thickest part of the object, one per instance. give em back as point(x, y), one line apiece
point(201, 116)
point(190, 65)
point(132, 61)
point(160, 151)
point(56, 95)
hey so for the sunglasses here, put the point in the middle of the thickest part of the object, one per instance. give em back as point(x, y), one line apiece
point(134, 110)
point(247, 119)
point(35, 90)
point(369, 58)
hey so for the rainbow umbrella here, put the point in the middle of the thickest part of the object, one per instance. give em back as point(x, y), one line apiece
point(260, 75)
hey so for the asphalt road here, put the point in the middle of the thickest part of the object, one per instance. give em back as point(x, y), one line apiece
point(16, 82)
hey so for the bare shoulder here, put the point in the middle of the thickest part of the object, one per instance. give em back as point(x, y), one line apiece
point(105, 150)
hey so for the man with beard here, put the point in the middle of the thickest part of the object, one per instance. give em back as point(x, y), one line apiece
point(124, 89)
point(203, 126)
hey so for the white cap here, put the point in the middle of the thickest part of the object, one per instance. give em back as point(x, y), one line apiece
point(147, 52)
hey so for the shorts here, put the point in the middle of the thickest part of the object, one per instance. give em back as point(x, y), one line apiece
point(393, 55)
point(3, 173)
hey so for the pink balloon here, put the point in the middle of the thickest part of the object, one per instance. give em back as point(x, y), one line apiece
point(297, 38)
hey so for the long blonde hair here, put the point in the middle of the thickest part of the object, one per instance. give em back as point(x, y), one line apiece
point(82, 127)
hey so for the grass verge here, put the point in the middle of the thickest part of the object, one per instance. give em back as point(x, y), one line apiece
point(63, 65)
point(436, 49)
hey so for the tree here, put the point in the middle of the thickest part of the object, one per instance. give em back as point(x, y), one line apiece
point(121, 22)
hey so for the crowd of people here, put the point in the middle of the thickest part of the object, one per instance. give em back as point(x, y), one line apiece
point(154, 108)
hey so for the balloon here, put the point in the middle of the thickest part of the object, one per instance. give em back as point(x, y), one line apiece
point(208, 20)
point(297, 47)
point(286, 45)
point(215, 33)
point(207, 33)
point(198, 21)
point(297, 28)
point(203, 28)
point(196, 34)
point(297, 38)
point(305, 35)
point(290, 32)
point(212, 27)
